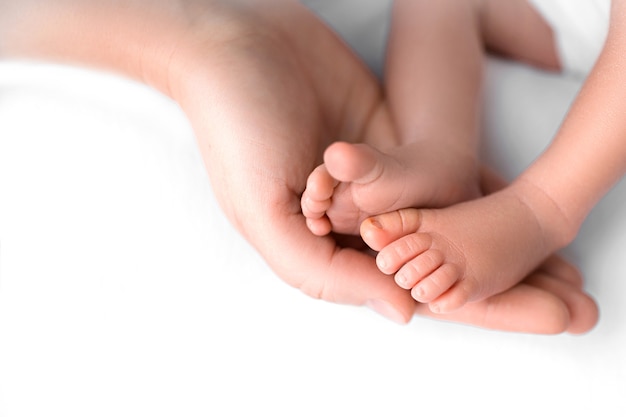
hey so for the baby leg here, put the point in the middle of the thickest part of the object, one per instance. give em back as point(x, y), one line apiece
point(433, 93)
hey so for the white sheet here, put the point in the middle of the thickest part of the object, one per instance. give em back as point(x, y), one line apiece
point(580, 28)
point(124, 291)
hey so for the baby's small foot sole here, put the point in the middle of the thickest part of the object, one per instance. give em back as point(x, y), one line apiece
point(357, 181)
point(349, 187)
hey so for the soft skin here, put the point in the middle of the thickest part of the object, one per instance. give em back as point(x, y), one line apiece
point(264, 105)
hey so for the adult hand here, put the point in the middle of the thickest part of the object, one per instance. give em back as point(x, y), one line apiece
point(266, 95)
point(266, 87)
point(265, 102)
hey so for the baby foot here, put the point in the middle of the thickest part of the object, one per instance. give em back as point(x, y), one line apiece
point(463, 253)
point(357, 181)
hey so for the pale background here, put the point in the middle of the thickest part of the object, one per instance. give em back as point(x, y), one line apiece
point(125, 292)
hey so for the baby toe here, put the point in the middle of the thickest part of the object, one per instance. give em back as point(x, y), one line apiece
point(314, 209)
point(419, 268)
point(319, 227)
point(436, 284)
point(451, 300)
point(413, 249)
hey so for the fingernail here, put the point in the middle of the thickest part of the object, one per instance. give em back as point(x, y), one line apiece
point(387, 310)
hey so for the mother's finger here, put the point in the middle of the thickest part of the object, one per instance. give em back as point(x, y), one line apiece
point(523, 308)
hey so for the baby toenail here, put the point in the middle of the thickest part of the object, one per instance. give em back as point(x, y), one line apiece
point(418, 293)
point(376, 223)
point(382, 264)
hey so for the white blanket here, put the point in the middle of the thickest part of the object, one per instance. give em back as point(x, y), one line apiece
point(580, 28)
point(125, 292)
